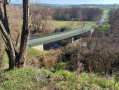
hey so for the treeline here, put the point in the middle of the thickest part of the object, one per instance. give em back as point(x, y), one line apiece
point(76, 14)
point(114, 21)
point(113, 16)
point(41, 17)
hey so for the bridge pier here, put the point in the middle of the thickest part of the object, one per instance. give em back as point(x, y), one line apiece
point(39, 47)
point(72, 40)
point(91, 32)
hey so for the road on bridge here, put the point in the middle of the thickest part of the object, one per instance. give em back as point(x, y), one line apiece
point(61, 36)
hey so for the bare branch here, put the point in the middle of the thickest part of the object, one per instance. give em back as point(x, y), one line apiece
point(8, 1)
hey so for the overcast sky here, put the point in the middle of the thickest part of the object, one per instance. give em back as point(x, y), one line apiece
point(72, 1)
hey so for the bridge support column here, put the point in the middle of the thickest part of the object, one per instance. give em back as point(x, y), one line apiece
point(72, 40)
point(91, 32)
point(39, 47)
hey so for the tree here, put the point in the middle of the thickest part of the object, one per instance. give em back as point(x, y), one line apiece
point(40, 18)
point(16, 57)
point(76, 14)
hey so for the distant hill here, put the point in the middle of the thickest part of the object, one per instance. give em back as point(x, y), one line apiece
point(17, 5)
point(33, 5)
point(102, 6)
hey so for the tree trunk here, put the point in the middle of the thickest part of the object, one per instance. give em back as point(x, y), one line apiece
point(15, 58)
point(4, 27)
point(25, 34)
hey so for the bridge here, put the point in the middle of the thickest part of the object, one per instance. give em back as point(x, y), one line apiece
point(37, 42)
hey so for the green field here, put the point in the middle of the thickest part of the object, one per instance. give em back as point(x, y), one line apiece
point(106, 10)
point(71, 24)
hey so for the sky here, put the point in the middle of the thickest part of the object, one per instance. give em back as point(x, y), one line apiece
point(72, 1)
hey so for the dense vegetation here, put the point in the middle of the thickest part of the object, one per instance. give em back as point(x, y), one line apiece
point(77, 14)
point(114, 20)
point(43, 19)
point(29, 78)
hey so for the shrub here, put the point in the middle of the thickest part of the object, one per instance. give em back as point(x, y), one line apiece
point(101, 55)
point(61, 65)
point(69, 58)
point(53, 70)
point(62, 29)
point(101, 30)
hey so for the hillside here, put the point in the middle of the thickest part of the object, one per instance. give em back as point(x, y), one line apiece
point(80, 46)
point(30, 78)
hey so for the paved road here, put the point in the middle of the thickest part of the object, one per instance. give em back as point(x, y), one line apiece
point(66, 34)
point(103, 19)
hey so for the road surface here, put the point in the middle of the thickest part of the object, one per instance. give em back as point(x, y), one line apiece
point(61, 36)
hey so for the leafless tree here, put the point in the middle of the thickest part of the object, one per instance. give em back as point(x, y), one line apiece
point(16, 57)
point(40, 18)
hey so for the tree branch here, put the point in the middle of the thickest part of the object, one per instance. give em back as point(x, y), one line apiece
point(8, 41)
point(8, 1)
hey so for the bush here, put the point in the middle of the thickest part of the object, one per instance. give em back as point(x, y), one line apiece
point(101, 56)
point(101, 30)
point(62, 29)
point(61, 65)
point(69, 58)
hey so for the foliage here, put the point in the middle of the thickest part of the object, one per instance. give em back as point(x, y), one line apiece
point(62, 29)
point(19, 79)
point(106, 11)
point(29, 78)
point(69, 57)
point(62, 66)
point(102, 29)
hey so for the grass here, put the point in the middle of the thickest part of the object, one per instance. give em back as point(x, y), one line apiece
point(33, 53)
point(27, 78)
point(107, 20)
point(72, 24)
point(33, 57)
point(36, 58)
point(103, 28)
point(106, 10)
point(18, 79)
point(3, 60)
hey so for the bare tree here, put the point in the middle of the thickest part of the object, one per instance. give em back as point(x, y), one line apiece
point(16, 57)
point(40, 18)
